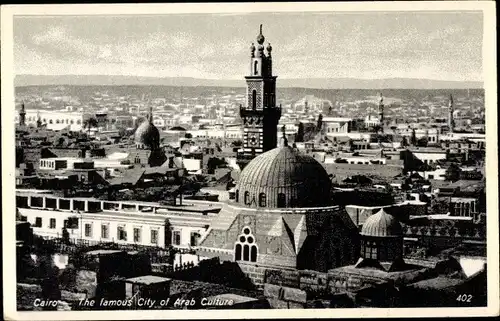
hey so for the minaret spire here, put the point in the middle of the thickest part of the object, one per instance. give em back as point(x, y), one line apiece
point(381, 110)
point(451, 121)
point(22, 115)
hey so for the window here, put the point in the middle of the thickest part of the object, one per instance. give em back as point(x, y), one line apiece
point(254, 99)
point(38, 222)
point(52, 223)
point(245, 248)
point(281, 200)
point(78, 122)
point(246, 252)
point(154, 236)
point(57, 121)
point(105, 231)
point(176, 238)
point(194, 238)
point(371, 250)
point(247, 198)
point(255, 65)
point(72, 122)
point(237, 254)
point(236, 196)
point(50, 121)
point(137, 159)
point(88, 230)
point(137, 235)
point(122, 234)
point(262, 200)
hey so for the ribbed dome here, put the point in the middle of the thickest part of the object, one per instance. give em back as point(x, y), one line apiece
point(382, 224)
point(147, 136)
point(297, 180)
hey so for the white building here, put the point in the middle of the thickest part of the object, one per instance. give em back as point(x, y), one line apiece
point(54, 119)
point(128, 222)
point(334, 126)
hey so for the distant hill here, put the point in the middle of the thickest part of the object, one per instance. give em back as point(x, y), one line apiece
point(319, 83)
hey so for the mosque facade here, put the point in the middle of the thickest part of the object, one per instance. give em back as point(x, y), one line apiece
point(282, 215)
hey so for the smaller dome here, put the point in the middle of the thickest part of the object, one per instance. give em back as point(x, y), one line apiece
point(269, 48)
point(382, 224)
point(147, 135)
point(252, 47)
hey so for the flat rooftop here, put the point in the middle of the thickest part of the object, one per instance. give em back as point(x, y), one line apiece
point(148, 279)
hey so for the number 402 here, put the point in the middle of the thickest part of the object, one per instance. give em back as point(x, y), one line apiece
point(464, 298)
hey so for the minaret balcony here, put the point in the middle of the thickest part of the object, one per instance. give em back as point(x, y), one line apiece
point(266, 112)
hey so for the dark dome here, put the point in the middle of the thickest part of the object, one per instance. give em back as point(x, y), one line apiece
point(382, 224)
point(147, 136)
point(297, 180)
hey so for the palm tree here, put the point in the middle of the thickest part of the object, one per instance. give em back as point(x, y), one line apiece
point(90, 123)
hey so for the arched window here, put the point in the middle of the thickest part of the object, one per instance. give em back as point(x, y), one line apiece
point(72, 122)
point(50, 121)
point(247, 198)
point(57, 121)
point(245, 248)
point(281, 200)
point(137, 159)
point(255, 66)
point(254, 99)
point(237, 252)
point(262, 200)
point(246, 252)
point(253, 254)
point(237, 196)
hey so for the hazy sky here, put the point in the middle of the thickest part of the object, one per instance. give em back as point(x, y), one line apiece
point(445, 46)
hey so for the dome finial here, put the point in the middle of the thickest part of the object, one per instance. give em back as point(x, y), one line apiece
point(260, 37)
point(284, 140)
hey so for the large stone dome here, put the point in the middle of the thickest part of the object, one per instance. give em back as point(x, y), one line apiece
point(283, 177)
point(382, 224)
point(147, 136)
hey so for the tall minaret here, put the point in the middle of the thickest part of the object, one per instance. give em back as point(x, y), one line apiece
point(451, 121)
point(150, 116)
point(22, 116)
point(38, 120)
point(260, 115)
point(381, 111)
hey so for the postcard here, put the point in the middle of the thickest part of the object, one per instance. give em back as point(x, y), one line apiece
point(264, 160)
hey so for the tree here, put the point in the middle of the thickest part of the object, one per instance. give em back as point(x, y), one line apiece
point(65, 235)
point(299, 137)
point(452, 173)
point(213, 163)
point(413, 139)
point(90, 123)
point(319, 124)
point(404, 142)
point(237, 143)
point(422, 142)
point(351, 145)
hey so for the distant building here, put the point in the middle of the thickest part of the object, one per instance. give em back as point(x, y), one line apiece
point(55, 120)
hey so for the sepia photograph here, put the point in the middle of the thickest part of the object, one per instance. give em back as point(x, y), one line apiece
point(182, 160)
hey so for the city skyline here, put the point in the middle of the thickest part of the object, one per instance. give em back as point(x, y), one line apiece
point(374, 45)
